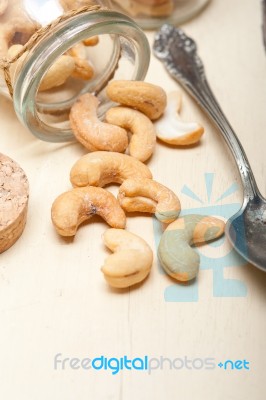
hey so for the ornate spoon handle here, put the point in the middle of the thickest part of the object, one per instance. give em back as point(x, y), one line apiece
point(178, 53)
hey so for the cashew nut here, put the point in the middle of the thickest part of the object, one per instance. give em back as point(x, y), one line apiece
point(59, 72)
point(145, 97)
point(90, 131)
point(143, 140)
point(170, 129)
point(72, 208)
point(16, 66)
point(175, 254)
point(14, 50)
point(83, 69)
point(91, 41)
point(146, 195)
point(132, 259)
point(3, 6)
point(151, 8)
point(16, 26)
point(100, 168)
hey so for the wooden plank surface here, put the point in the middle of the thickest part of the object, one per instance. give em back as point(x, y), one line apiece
point(53, 298)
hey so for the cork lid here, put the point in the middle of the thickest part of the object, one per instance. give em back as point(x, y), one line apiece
point(14, 194)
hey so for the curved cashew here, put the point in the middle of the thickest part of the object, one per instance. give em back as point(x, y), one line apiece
point(83, 69)
point(90, 131)
point(100, 168)
point(16, 66)
point(59, 72)
point(16, 26)
point(132, 259)
point(175, 254)
point(3, 6)
point(145, 97)
point(14, 50)
point(146, 195)
point(170, 129)
point(55, 76)
point(143, 140)
point(72, 208)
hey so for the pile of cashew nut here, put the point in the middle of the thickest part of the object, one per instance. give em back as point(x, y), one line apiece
point(132, 259)
point(118, 147)
point(16, 30)
point(144, 110)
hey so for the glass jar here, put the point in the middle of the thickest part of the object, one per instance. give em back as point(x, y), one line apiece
point(151, 14)
point(43, 102)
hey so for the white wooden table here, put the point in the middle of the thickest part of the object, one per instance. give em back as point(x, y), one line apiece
point(53, 298)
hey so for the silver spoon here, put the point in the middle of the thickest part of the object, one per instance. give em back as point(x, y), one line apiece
point(247, 228)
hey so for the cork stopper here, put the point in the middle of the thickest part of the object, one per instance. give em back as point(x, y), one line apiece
point(14, 194)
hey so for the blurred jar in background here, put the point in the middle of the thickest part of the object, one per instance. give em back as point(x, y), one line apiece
point(151, 14)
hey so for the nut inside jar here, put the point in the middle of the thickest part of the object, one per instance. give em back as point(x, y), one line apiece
point(153, 8)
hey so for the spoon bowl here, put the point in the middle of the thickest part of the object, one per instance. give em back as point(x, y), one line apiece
point(246, 231)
